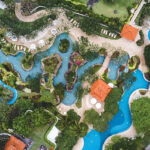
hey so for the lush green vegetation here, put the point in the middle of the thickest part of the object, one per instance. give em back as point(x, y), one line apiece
point(3, 140)
point(126, 80)
point(60, 91)
point(25, 123)
point(50, 64)
point(118, 143)
point(80, 92)
point(87, 50)
point(47, 96)
point(64, 45)
point(133, 63)
point(122, 7)
point(27, 60)
point(100, 123)
point(34, 83)
point(9, 76)
point(140, 116)
point(140, 110)
point(147, 55)
point(38, 137)
point(145, 11)
point(70, 129)
point(10, 21)
point(70, 79)
point(5, 94)
point(140, 42)
point(90, 74)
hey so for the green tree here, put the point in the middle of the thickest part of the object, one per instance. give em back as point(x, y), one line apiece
point(140, 110)
point(147, 55)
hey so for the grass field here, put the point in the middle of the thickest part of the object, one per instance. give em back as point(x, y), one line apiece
point(107, 9)
point(38, 137)
point(79, 2)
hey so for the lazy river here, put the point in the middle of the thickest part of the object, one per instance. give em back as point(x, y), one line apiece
point(69, 96)
point(93, 140)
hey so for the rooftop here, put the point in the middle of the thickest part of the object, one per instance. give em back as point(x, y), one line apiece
point(14, 144)
point(129, 32)
point(100, 90)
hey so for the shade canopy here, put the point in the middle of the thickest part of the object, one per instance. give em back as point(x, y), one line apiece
point(54, 31)
point(93, 101)
point(98, 105)
point(32, 46)
point(129, 32)
point(41, 42)
point(100, 90)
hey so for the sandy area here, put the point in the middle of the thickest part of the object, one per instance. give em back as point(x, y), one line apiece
point(30, 18)
point(129, 46)
point(79, 144)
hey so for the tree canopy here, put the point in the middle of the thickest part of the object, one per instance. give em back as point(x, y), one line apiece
point(140, 110)
point(147, 55)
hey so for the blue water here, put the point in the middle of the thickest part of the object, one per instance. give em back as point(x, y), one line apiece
point(13, 90)
point(149, 34)
point(121, 121)
point(69, 96)
point(114, 66)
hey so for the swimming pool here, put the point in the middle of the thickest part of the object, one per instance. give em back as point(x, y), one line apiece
point(121, 121)
point(115, 64)
point(149, 34)
point(69, 96)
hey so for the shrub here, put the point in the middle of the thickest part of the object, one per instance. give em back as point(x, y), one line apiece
point(147, 55)
point(140, 42)
point(64, 45)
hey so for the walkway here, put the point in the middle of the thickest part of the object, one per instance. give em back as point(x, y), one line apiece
point(104, 65)
point(30, 18)
point(130, 47)
point(132, 22)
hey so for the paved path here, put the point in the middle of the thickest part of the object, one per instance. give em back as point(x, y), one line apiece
point(104, 65)
point(129, 46)
point(132, 22)
point(30, 18)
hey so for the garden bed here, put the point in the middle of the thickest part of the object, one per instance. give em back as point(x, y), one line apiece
point(51, 64)
point(64, 45)
point(75, 62)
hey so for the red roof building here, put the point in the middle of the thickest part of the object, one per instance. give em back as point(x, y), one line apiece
point(14, 144)
point(129, 32)
point(100, 90)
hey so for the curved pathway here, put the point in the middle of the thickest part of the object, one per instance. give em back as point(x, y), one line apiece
point(129, 46)
point(30, 18)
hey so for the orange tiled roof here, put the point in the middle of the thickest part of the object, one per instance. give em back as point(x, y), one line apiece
point(100, 90)
point(129, 32)
point(14, 144)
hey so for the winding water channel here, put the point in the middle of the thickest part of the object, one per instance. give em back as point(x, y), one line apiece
point(93, 140)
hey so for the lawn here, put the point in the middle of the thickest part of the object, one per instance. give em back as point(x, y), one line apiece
point(38, 137)
point(79, 1)
point(107, 9)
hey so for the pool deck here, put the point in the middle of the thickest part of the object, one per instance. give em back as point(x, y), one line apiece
point(130, 47)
